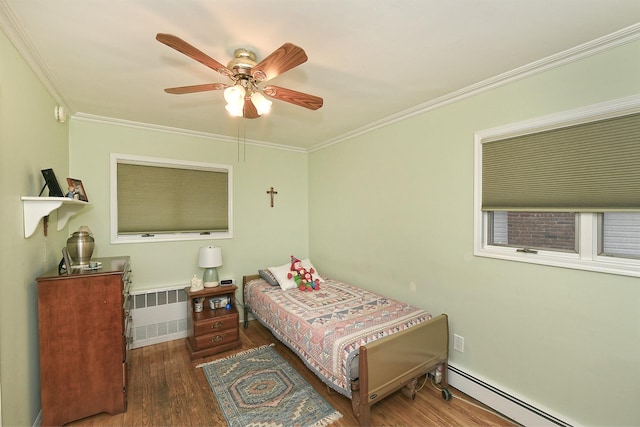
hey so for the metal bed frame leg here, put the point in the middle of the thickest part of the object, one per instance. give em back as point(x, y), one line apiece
point(246, 316)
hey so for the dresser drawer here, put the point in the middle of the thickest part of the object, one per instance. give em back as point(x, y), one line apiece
point(216, 339)
point(216, 324)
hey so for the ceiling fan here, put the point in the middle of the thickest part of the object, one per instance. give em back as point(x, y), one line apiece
point(244, 97)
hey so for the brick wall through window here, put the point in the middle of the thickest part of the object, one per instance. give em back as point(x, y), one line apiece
point(555, 230)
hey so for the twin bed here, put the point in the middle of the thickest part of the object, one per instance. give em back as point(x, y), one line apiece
point(361, 344)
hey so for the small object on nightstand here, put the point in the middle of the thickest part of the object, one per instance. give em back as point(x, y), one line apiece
point(198, 305)
point(196, 284)
point(228, 306)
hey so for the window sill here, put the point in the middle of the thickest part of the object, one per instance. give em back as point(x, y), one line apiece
point(174, 237)
point(597, 264)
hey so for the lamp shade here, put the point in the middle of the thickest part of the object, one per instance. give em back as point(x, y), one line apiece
point(236, 110)
point(234, 94)
point(210, 256)
point(262, 104)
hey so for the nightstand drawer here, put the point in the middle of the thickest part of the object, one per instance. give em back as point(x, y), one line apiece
point(215, 324)
point(216, 339)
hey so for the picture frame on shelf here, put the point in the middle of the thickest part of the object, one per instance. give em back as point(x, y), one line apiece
point(51, 182)
point(76, 190)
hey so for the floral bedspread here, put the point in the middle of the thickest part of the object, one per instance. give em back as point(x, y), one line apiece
point(327, 327)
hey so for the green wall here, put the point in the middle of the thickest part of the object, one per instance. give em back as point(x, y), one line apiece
point(393, 209)
point(30, 140)
point(262, 235)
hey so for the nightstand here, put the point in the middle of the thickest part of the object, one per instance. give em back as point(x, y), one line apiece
point(214, 330)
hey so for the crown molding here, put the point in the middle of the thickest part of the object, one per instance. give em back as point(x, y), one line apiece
point(178, 131)
point(610, 41)
point(18, 36)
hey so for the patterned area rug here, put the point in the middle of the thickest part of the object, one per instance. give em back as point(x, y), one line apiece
point(258, 387)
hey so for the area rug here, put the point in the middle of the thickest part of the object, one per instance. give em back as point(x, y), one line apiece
point(258, 387)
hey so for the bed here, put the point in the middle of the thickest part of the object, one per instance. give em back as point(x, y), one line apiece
point(361, 344)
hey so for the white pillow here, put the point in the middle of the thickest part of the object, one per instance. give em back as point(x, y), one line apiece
point(306, 263)
point(281, 275)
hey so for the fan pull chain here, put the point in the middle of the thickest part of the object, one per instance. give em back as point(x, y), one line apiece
point(244, 141)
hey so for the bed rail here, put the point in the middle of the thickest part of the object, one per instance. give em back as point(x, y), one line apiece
point(394, 362)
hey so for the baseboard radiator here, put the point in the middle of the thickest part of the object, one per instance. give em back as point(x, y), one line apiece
point(505, 403)
point(159, 315)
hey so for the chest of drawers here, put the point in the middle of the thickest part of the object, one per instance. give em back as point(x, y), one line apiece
point(84, 335)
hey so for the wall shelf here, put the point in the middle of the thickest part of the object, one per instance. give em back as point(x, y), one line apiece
point(36, 208)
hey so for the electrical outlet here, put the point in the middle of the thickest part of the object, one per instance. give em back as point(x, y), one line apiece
point(412, 286)
point(458, 343)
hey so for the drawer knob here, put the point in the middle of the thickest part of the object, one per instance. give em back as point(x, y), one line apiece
point(218, 338)
point(217, 325)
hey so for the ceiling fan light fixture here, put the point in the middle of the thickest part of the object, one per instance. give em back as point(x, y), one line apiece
point(263, 105)
point(235, 109)
point(235, 95)
point(244, 98)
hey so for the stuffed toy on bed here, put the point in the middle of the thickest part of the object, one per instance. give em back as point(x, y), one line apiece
point(302, 276)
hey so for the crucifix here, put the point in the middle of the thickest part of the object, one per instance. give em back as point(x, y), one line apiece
point(271, 193)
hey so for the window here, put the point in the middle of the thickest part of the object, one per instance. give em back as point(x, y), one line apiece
point(534, 230)
point(163, 200)
point(620, 233)
point(562, 190)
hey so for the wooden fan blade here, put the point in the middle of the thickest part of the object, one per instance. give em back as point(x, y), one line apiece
point(282, 59)
point(195, 88)
point(192, 52)
point(249, 111)
point(298, 98)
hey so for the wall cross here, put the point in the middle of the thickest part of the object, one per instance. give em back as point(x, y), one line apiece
point(271, 192)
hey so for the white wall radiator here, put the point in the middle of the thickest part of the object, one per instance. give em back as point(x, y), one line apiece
point(159, 315)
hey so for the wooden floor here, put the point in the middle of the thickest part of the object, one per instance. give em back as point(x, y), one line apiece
point(166, 389)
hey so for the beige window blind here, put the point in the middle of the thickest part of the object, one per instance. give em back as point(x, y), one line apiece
point(590, 167)
point(153, 199)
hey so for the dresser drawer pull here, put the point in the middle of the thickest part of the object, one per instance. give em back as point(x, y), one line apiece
point(217, 338)
point(217, 325)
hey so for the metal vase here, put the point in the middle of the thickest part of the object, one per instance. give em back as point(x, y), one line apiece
point(80, 247)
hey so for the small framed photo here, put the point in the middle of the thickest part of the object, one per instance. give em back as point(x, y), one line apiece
point(76, 190)
point(51, 182)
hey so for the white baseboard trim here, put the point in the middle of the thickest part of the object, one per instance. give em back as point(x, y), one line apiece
point(159, 339)
point(503, 402)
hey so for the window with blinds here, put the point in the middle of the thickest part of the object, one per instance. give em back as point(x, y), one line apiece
point(586, 167)
point(562, 190)
point(160, 199)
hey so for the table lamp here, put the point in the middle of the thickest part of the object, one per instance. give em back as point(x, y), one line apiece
point(210, 258)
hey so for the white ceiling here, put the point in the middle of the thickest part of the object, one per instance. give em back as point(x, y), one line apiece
point(371, 60)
